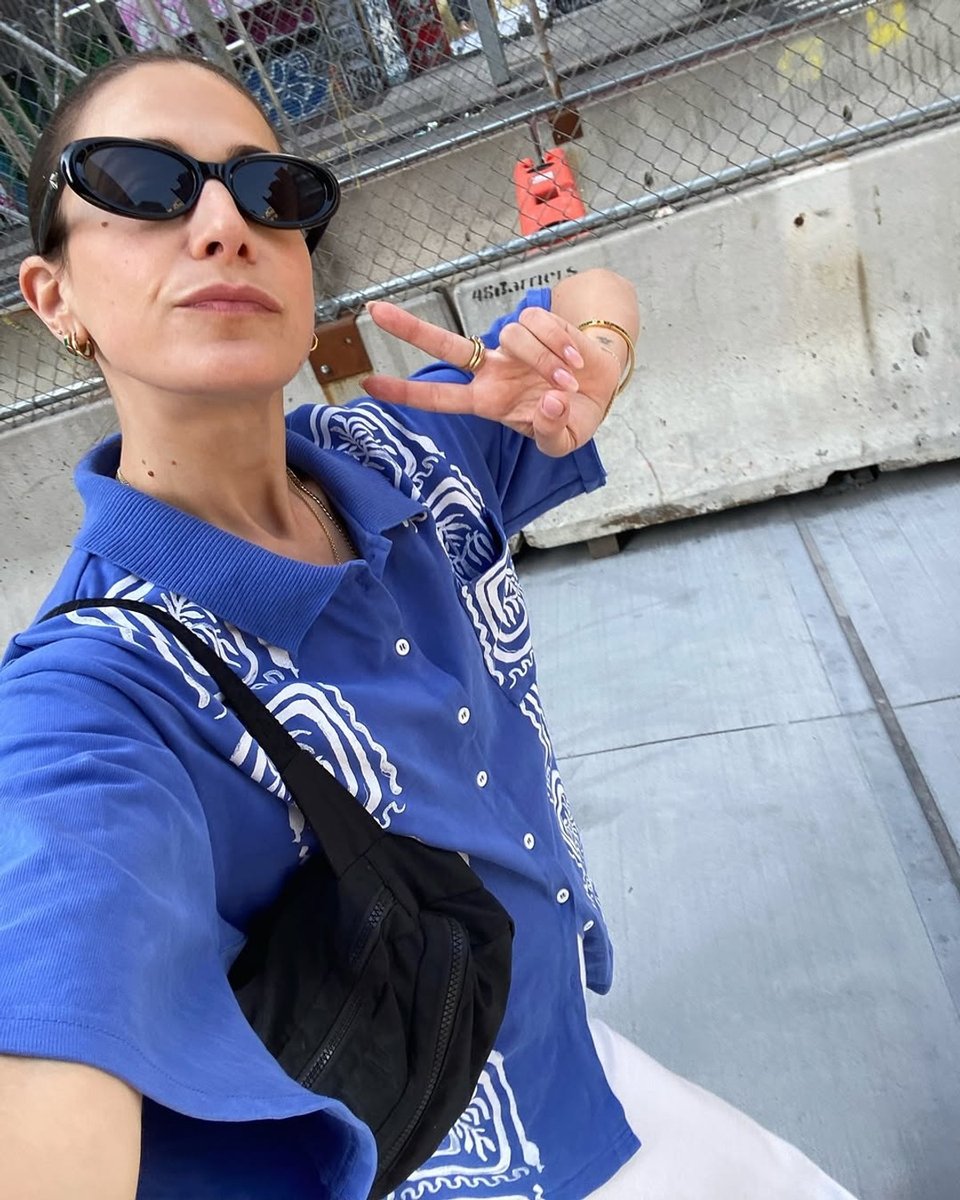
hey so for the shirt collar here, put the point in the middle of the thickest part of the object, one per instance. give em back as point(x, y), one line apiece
point(277, 599)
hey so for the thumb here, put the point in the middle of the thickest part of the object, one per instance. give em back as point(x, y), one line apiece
point(550, 429)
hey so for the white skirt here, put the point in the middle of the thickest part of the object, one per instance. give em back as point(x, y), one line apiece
point(695, 1146)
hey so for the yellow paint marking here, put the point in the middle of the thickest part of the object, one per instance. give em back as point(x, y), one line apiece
point(886, 24)
point(801, 62)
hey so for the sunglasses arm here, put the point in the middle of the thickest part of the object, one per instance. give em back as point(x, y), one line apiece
point(51, 196)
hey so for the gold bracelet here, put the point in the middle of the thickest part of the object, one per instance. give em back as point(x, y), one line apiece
point(631, 349)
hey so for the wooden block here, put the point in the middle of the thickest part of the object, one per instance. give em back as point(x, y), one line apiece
point(603, 547)
point(340, 351)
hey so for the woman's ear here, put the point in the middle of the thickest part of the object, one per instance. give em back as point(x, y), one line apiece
point(42, 288)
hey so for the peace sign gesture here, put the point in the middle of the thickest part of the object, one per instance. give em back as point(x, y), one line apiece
point(547, 379)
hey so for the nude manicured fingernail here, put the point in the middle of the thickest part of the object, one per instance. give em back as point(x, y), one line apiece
point(565, 380)
point(552, 406)
point(573, 356)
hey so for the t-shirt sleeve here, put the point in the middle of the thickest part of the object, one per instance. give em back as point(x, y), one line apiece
point(112, 952)
point(526, 482)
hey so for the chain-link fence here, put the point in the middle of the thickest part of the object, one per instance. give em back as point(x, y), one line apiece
point(470, 132)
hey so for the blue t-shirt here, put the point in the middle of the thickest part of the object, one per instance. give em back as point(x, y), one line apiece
point(141, 828)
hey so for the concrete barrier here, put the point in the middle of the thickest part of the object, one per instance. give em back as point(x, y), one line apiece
point(802, 327)
point(41, 507)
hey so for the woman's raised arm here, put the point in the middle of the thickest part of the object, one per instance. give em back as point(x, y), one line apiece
point(548, 379)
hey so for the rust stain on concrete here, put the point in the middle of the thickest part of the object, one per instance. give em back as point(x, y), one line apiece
point(863, 294)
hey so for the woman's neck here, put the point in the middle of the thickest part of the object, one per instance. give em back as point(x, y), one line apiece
point(222, 461)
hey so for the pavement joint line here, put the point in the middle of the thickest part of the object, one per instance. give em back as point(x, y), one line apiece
point(887, 713)
point(923, 703)
point(708, 733)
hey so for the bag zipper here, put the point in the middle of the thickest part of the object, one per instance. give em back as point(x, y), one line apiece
point(450, 1005)
point(321, 1059)
point(374, 917)
point(308, 1075)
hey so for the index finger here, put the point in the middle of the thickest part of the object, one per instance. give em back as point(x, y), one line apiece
point(439, 343)
point(432, 397)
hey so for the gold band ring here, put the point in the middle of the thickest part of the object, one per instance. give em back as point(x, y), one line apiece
point(477, 357)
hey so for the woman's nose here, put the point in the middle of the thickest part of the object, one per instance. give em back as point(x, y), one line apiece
point(217, 226)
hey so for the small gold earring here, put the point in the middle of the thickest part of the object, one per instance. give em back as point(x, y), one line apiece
point(78, 349)
point(315, 343)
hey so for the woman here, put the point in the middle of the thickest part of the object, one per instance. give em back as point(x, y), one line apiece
point(351, 565)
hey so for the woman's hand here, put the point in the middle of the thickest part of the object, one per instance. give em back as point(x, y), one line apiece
point(547, 380)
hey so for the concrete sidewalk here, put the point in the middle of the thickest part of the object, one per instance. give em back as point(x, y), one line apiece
point(787, 931)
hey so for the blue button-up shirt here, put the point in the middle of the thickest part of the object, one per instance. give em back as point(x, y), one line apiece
point(142, 828)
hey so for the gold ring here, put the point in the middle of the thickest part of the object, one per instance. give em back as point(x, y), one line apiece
point(477, 357)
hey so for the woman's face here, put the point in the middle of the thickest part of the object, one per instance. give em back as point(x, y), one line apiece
point(132, 284)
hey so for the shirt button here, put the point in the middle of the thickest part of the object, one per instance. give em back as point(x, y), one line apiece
point(529, 841)
point(463, 716)
point(563, 896)
point(402, 647)
point(481, 779)
point(588, 927)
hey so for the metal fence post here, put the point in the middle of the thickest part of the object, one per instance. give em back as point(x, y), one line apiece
point(208, 33)
point(490, 41)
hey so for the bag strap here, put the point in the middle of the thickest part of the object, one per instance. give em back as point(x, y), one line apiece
point(342, 826)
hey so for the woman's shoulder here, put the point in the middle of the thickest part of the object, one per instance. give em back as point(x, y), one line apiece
point(77, 577)
point(83, 631)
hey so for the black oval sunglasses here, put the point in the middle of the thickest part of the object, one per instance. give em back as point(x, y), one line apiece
point(150, 182)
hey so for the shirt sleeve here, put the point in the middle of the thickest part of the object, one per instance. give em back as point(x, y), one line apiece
point(112, 952)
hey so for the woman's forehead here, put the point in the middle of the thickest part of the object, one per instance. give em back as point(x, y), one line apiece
point(178, 102)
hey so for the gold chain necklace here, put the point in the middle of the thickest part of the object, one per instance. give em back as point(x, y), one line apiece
point(312, 500)
point(316, 501)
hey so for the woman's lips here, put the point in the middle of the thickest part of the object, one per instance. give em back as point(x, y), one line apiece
point(225, 297)
point(228, 306)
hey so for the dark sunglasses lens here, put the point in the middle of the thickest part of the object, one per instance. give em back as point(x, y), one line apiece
point(283, 193)
point(139, 180)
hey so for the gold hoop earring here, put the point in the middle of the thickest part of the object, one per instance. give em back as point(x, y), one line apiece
point(314, 344)
point(78, 349)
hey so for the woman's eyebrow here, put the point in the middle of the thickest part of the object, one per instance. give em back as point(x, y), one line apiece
point(232, 151)
point(236, 151)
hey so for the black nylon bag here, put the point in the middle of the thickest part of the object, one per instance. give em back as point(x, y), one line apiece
point(380, 975)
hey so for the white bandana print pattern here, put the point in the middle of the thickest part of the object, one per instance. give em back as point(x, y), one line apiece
point(483, 571)
point(348, 752)
point(487, 1149)
point(374, 438)
point(317, 715)
point(495, 602)
point(531, 708)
